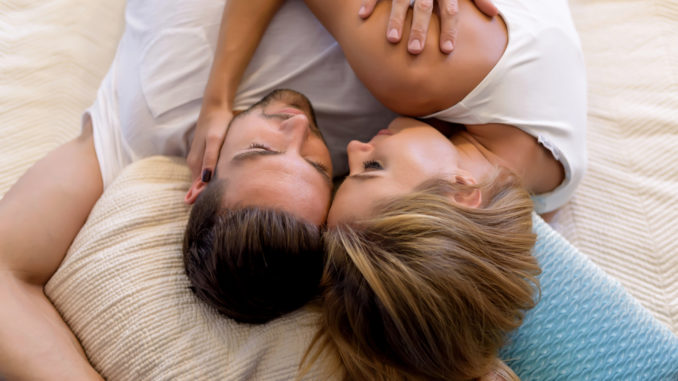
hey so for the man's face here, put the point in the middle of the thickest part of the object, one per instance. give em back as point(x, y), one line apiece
point(274, 156)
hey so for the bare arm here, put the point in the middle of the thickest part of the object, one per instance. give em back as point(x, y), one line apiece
point(407, 84)
point(39, 218)
point(447, 10)
point(242, 26)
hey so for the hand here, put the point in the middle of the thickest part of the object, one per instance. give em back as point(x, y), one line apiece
point(210, 132)
point(421, 18)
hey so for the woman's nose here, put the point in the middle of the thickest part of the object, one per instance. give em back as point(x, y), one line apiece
point(357, 146)
point(358, 153)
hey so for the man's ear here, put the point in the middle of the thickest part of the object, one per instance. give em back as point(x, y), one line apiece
point(471, 197)
point(196, 188)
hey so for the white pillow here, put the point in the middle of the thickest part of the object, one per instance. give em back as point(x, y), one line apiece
point(123, 291)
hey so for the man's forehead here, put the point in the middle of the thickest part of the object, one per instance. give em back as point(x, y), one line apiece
point(274, 183)
point(273, 167)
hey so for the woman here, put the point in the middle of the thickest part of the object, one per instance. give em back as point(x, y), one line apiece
point(430, 235)
point(445, 264)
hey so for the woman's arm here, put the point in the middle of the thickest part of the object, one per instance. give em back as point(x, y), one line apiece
point(242, 26)
point(407, 84)
point(39, 218)
point(447, 10)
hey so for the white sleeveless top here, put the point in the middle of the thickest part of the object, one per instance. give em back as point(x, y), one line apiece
point(539, 86)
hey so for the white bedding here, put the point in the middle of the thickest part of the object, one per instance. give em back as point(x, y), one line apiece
point(53, 55)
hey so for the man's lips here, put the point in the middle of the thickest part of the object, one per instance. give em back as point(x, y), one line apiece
point(385, 132)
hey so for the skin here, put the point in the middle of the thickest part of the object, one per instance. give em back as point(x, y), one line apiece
point(280, 161)
point(400, 158)
point(414, 85)
point(39, 218)
point(422, 10)
point(274, 156)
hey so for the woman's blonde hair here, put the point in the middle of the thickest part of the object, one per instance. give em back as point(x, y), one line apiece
point(427, 289)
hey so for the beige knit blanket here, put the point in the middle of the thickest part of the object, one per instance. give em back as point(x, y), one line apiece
point(53, 55)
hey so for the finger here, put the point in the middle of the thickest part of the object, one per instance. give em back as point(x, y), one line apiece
point(394, 30)
point(367, 8)
point(487, 7)
point(213, 143)
point(420, 22)
point(449, 9)
point(195, 157)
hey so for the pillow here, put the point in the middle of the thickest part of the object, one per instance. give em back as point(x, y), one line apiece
point(586, 326)
point(123, 291)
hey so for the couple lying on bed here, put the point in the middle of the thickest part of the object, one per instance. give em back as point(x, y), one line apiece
point(427, 249)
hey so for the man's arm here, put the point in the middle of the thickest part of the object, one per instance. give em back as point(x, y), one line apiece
point(39, 218)
point(242, 26)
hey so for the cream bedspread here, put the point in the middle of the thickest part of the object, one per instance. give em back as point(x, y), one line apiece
point(53, 55)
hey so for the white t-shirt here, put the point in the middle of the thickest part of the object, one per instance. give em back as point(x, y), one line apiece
point(539, 86)
point(149, 101)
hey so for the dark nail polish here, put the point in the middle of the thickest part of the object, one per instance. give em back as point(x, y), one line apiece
point(206, 175)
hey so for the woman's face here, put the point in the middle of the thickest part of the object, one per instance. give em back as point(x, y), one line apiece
point(393, 163)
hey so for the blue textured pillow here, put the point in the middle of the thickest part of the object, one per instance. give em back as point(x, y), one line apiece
point(586, 326)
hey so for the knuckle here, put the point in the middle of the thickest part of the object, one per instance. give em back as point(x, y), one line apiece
point(418, 30)
point(424, 5)
point(213, 138)
point(448, 35)
point(449, 8)
point(192, 161)
point(395, 23)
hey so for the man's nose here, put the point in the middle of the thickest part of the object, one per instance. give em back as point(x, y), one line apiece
point(297, 129)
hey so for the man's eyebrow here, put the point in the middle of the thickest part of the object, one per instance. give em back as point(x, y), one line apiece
point(323, 171)
point(249, 155)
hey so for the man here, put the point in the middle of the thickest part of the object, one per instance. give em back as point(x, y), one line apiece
point(272, 158)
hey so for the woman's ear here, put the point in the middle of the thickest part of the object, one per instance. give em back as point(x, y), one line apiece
point(196, 188)
point(471, 197)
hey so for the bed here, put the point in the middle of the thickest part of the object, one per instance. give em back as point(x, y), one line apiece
point(620, 224)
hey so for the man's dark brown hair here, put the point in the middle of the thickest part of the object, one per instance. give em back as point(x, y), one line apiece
point(251, 264)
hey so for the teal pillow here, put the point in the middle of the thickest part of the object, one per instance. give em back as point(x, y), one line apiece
point(586, 326)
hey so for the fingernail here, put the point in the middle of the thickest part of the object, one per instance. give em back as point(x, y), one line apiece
point(206, 175)
point(415, 45)
point(362, 10)
point(393, 34)
point(448, 46)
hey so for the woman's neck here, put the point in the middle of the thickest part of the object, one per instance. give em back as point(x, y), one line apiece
point(493, 145)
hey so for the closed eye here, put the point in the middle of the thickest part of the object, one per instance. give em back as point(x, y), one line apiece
point(260, 146)
point(372, 165)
